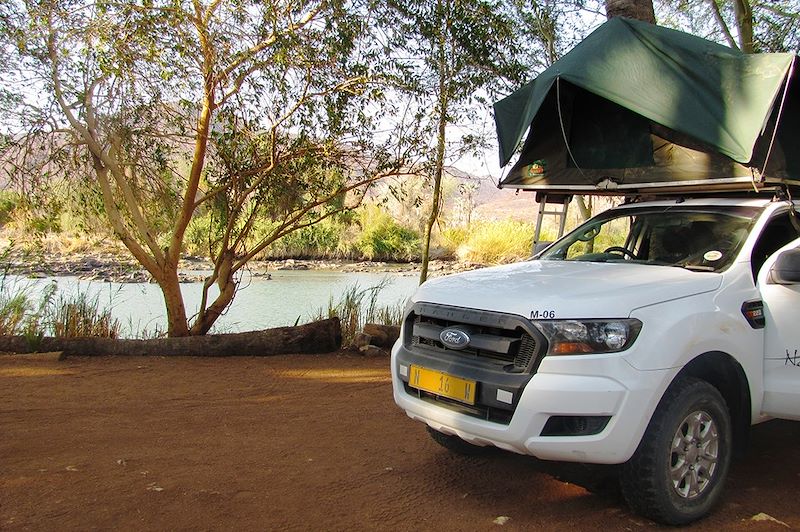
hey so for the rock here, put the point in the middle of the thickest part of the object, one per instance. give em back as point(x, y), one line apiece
point(765, 517)
point(382, 335)
point(372, 351)
point(503, 519)
point(362, 340)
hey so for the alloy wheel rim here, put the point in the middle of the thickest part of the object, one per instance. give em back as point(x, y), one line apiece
point(694, 455)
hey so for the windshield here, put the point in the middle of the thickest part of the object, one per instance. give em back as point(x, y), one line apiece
point(703, 239)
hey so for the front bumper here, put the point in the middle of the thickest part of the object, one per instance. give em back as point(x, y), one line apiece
point(591, 386)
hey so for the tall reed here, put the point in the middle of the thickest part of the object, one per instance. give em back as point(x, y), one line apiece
point(356, 307)
point(48, 313)
point(80, 315)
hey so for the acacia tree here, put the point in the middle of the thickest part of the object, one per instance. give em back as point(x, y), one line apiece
point(465, 50)
point(636, 9)
point(237, 110)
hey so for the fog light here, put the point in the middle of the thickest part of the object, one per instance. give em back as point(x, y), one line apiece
point(575, 425)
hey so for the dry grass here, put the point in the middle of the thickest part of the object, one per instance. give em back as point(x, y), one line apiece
point(357, 307)
point(77, 315)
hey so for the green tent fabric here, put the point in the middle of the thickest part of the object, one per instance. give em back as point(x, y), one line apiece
point(638, 103)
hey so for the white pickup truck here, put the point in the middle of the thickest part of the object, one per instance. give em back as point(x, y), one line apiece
point(651, 336)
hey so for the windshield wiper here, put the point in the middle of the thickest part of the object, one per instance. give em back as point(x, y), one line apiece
point(696, 267)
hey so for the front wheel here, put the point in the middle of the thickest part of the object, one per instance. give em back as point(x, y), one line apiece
point(678, 471)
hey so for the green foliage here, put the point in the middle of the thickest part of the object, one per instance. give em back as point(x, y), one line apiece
point(19, 311)
point(497, 242)
point(229, 115)
point(319, 241)
point(357, 307)
point(199, 234)
point(382, 238)
point(8, 203)
point(775, 23)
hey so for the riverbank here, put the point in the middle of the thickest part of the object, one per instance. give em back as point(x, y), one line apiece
point(105, 266)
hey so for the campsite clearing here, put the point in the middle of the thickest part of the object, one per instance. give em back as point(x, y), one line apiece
point(293, 443)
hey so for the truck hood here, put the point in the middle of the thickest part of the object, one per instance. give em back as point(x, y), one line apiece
point(566, 289)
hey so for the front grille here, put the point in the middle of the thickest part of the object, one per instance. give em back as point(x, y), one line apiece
point(493, 337)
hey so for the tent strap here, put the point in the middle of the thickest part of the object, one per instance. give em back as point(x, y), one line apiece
point(563, 129)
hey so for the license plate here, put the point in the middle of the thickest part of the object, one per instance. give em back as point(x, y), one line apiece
point(439, 383)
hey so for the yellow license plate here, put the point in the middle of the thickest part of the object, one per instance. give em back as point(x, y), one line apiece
point(439, 383)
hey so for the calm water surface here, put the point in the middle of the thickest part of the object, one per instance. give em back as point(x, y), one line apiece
point(260, 303)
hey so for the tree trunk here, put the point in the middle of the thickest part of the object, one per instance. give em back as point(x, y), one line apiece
point(636, 9)
point(170, 286)
point(318, 337)
point(441, 139)
point(744, 22)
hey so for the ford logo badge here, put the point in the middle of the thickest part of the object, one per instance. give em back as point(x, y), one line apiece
point(454, 338)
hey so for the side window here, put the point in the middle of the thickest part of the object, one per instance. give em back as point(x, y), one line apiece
point(779, 231)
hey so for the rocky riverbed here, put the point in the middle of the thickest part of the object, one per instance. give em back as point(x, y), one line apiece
point(115, 268)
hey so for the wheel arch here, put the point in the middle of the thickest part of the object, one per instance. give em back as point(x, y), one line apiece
point(725, 373)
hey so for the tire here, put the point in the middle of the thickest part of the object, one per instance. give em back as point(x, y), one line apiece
point(457, 445)
point(678, 472)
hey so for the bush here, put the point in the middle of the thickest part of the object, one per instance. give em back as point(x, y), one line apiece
point(497, 242)
point(8, 203)
point(19, 312)
point(319, 241)
point(382, 238)
point(196, 238)
point(450, 240)
point(63, 316)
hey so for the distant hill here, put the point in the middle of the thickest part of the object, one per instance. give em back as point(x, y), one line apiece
point(492, 203)
point(466, 197)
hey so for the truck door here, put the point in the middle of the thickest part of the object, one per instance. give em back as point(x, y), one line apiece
point(781, 341)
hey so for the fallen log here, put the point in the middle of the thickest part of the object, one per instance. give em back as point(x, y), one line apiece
point(322, 336)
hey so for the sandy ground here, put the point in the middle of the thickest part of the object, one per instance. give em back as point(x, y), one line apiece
point(294, 443)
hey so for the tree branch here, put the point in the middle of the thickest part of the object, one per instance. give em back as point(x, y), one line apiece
point(722, 26)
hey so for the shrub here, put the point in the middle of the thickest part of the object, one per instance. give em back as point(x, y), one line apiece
point(450, 240)
point(382, 238)
point(19, 312)
point(64, 316)
point(196, 238)
point(8, 203)
point(497, 242)
point(321, 240)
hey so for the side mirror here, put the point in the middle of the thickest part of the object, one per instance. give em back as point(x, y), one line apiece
point(786, 269)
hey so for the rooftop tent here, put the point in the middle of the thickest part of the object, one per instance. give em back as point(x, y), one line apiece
point(636, 106)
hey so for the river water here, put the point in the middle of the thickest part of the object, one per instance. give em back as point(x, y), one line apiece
point(288, 297)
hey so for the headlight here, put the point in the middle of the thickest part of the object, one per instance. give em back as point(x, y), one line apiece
point(583, 337)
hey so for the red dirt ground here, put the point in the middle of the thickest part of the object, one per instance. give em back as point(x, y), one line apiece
point(293, 443)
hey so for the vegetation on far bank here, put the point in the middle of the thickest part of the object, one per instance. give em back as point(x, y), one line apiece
point(374, 232)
